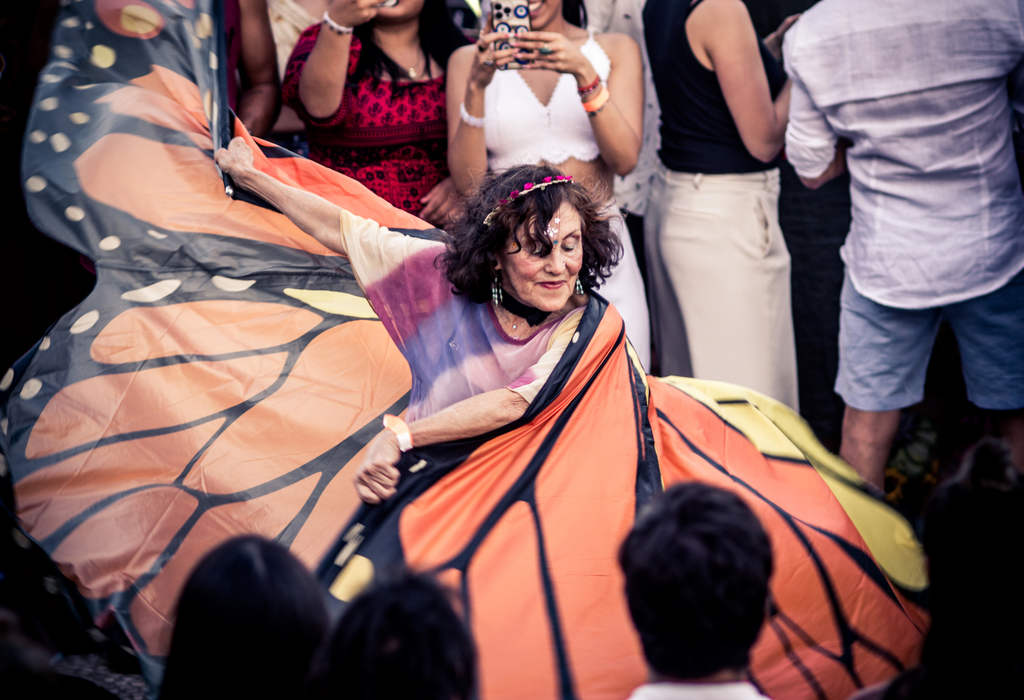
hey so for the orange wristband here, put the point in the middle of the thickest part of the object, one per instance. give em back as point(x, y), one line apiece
point(401, 430)
point(598, 101)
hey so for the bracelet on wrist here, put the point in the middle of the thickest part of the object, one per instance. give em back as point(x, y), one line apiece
point(590, 87)
point(334, 26)
point(468, 118)
point(593, 105)
point(401, 431)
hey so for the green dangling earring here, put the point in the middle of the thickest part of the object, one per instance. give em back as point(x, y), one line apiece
point(496, 293)
point(579, 286)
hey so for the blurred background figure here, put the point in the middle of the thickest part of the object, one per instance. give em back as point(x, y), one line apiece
point(633, 190)
point(254, 92)
point(288, 19)
point(27, 668)
point(973, 527)
point(714, 216)
point(249, 620)
point(401, 638)
point(936, 230)
point(697, 564)
point(369, 83)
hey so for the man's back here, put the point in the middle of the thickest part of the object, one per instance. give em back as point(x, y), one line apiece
point(920, 89)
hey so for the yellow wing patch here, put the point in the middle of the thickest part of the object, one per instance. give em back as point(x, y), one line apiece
point(339, 303)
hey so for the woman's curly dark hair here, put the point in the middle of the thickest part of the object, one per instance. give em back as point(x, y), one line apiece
point(472, 247)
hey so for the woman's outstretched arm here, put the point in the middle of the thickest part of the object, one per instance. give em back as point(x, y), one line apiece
point(378, 477)
point(311, 213)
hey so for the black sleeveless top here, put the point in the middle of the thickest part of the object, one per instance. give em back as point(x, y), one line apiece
point(698, 134)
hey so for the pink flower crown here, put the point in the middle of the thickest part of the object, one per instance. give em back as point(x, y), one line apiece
point(526, 189)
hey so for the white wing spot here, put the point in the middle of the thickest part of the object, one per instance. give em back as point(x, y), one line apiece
point(228, 284)
point(30, 388)
point(60, 142)
point(85, 322)
point(154, 292)
point(110, 243)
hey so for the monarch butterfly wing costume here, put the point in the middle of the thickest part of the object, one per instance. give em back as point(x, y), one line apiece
point(226, 367)
point(525, 523)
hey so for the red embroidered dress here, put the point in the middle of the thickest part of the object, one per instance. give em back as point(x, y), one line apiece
point(394, 141)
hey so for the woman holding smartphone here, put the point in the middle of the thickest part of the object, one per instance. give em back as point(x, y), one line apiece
point(571, 99)
point(368, 81)
point(713, 222)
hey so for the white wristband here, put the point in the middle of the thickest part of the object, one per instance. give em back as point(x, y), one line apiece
point(334, 26)
point(465, 116)
point(401, 430)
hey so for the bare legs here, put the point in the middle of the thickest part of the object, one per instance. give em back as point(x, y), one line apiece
point(868, 437)
point(867, 440)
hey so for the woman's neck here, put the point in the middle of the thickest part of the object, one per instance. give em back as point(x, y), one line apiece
point(397, 37)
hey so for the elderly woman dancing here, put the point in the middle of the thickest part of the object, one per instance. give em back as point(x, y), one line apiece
point(506, 291)
point(575, 104)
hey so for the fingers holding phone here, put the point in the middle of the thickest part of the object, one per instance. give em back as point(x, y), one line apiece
point(487, 58)
point(511, 17)
point(552, 51)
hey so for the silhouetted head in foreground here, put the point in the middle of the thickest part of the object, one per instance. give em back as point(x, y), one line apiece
point(973, 534)
point(249, 620)
point(399, 639)
point(697, 564)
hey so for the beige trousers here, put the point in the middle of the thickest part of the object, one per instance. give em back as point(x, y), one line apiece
point(719, 242)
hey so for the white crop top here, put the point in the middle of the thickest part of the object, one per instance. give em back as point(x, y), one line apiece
point(519, 130)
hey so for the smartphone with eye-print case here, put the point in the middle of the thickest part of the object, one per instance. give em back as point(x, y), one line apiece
point(513, 18)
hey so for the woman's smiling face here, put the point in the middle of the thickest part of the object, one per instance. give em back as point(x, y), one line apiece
point(545, 282)
point(542, 12)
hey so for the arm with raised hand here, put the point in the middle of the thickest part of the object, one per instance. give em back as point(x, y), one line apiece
point(470, 70)
point(311, 213)
point(323, 76)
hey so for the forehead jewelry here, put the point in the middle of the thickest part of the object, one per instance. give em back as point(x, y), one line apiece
point(526, 189)
point(552, 230)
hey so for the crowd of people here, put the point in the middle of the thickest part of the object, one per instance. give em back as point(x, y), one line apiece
point(538, 155)
point(675, 124)
point(252, 621)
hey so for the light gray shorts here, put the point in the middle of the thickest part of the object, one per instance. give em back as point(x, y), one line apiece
point(884, 351)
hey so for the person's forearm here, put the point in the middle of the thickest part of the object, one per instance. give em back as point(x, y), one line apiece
point(470, 417)
point(618, 141)
point(322, 82)
point(467, 151)
point(311, 213)
point(834, 169)
point(781, 105)
point(258, 108)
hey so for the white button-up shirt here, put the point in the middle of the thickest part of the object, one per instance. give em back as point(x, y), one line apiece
point(920, 89)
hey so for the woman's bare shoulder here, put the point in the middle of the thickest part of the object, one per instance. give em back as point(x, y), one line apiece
point(461, 57)
point(616, 44)
point(721, 11)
